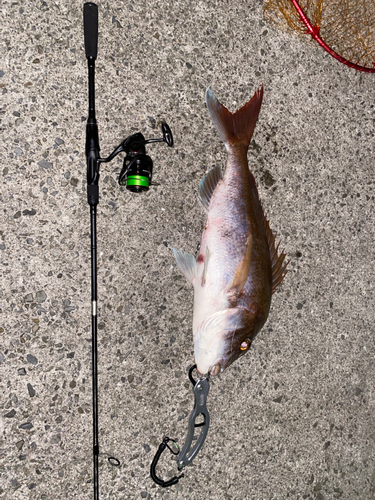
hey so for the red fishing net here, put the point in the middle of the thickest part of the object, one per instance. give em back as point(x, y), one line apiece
point(344, 28)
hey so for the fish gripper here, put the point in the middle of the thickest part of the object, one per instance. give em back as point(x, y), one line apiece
point(189, 451)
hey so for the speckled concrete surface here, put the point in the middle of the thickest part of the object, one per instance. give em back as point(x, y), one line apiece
point(294, 418)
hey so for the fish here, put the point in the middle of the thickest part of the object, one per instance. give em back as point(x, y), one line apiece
point(238, 266)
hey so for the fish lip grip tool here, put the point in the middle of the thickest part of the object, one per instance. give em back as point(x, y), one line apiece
point(188, 452)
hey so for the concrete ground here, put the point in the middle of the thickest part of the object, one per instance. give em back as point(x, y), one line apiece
point(294, 418)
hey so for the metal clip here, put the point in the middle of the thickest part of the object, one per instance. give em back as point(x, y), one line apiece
point(189, 452)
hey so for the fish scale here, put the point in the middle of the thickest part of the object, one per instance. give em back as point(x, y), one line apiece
point(238, 266)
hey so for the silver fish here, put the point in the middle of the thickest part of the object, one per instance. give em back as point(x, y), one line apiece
point(238, 266)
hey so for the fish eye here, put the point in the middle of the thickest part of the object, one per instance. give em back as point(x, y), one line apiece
point(245, 345)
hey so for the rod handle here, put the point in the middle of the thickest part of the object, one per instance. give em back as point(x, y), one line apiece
point(90, 25)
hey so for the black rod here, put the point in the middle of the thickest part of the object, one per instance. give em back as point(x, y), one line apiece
point(90, 24)
point(94, 330)
point(91, 65)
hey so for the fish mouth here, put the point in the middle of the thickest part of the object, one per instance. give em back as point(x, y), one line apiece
point(214, 369)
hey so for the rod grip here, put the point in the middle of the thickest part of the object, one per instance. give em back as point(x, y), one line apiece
point(90, 26)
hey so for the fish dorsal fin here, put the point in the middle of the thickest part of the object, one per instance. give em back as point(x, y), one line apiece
point(207, 255)
point(277, 261)
point(242, 271)
point(235, 128)
point(187, 264)
point(207, 186)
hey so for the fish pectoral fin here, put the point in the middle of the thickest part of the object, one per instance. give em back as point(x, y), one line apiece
point(207, 255)
point(208, 185)
point(219, 321)
point(187, 264)
point(242, 271)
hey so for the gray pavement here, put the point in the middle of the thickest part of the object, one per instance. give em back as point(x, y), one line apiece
point(294, 418)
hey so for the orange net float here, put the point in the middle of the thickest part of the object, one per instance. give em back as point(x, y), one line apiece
point(344, 28)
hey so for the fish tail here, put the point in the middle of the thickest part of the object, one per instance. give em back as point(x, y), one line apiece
point(235, 129)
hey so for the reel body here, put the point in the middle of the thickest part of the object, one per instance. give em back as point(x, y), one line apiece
point(136, 173)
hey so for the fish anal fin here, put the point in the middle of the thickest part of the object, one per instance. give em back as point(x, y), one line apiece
point(279, 267)
point(277, 281)
point(208, 185)
point(242, 271)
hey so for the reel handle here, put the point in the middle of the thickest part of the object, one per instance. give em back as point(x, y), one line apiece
point(90, 26)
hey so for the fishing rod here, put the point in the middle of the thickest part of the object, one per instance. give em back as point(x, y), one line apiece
point(136, 176)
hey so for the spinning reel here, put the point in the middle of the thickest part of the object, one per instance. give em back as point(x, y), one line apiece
point(136, 173)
